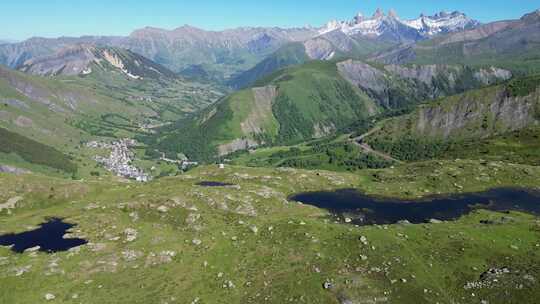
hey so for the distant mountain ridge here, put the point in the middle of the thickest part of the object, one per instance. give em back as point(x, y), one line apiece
point(500, 42)
point(83, 59)
point(222, 55)
point(218, 53)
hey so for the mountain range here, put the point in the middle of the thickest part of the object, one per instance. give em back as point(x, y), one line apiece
point(390, 26)
point(498, 42)
point(221, 55)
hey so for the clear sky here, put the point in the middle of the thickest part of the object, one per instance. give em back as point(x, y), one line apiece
point(21, 19)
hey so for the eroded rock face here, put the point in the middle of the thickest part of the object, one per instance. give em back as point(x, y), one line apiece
point(491, 75)
point(417, 83)
point(261, 111)
point(257, 122)
point(362, 75)
point(237, 145)
point(427, 73)
point(326, 46)
point(500, 115)
point(319, 48)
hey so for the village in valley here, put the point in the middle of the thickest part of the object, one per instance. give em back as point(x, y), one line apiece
point(121, 159)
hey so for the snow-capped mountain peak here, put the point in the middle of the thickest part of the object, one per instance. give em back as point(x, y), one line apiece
point(380, 24)
point(442, 22)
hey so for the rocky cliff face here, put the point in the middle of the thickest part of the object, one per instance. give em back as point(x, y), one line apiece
point(472, 118)
point(427, 73)
point(475, 114)
point(394, 85)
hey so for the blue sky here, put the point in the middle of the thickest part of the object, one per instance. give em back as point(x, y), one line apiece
point(51, 18)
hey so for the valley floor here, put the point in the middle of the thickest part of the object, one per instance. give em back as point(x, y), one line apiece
point(172, 241)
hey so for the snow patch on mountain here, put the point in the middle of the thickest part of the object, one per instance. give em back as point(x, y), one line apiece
point(379, 24)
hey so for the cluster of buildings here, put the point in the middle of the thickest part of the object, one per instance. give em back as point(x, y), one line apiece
point(120, 159)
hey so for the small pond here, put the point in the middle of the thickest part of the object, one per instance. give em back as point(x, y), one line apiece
point(213, 184)
point(49, 237)
point(361, 209)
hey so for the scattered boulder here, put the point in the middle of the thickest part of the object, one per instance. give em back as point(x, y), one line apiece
point(131, 234)
point(364, 240)
point(254, 229)
point(328, 285)
point(163, 209)
point(10, 203)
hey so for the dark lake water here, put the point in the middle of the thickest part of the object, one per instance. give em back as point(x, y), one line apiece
point(49, 236)
point(213, 184)
point(366, 210)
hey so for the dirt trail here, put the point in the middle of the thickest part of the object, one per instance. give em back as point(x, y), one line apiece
point(359, 142)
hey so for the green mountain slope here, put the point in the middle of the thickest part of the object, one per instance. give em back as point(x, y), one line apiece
point(34, 152)
point(313, 100)
point(290, 106)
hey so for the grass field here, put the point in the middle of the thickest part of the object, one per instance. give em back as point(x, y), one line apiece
point(257, 247)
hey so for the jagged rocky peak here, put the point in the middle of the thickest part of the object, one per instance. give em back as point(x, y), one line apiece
point(392, 25)
point(378, 14)
point(359, 18)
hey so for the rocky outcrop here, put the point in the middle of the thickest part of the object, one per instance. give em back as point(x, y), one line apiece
point(363, 75)
point(319, 48)
point(12, 170)
point(321, 130)
point(492, 75)
point(237, 145)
